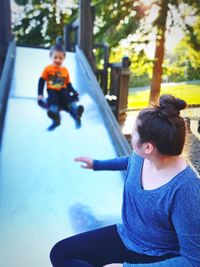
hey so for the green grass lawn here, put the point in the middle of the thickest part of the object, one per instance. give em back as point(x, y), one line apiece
point(190, 92)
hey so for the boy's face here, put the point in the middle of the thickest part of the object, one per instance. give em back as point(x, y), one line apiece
point(58, 58)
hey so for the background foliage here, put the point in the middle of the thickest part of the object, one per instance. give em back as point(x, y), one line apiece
point(41, 22)
point(115, 23)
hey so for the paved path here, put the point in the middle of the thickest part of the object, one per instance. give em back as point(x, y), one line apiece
point(193, 138)
point(192, 113)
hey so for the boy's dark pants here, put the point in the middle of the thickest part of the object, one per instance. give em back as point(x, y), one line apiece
point(62, 99)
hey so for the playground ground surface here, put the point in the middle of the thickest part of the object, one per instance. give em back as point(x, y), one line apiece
point(192, 148)
point(189, 91)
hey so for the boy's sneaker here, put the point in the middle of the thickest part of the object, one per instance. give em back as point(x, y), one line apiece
point(55, 124)
point(80, 110)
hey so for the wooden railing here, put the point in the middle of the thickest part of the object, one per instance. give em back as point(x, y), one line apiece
point(119, 141)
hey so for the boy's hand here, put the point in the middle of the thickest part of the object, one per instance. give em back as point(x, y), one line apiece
point(74, 95)
point(41, 102)
point(88, 162)
point(40, 97)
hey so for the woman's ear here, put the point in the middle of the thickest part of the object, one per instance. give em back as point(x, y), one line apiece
point(148, 148)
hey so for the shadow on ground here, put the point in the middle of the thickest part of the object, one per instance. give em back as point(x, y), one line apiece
point(83, 219)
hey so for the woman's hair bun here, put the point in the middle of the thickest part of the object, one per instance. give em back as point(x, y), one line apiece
point(170, 106)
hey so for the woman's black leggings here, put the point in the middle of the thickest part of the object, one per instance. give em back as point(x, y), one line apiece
point(95, 249)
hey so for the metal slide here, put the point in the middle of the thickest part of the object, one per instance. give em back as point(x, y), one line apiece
point(44, 195)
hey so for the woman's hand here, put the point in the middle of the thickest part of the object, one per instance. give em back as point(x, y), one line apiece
point(88, 163)
point(41, 102)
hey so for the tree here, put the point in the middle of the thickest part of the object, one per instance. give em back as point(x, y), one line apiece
point(41, 23)
point(166, 7)
point(159, 52)
point(115, 20)
point(184, 63)
point(141, 65)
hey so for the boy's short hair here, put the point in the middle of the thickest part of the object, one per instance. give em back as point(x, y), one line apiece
point(58, 46)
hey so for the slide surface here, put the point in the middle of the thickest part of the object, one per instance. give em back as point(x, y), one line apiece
point(44, 195)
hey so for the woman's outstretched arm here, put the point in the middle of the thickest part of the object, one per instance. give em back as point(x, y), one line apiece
point(116, 164)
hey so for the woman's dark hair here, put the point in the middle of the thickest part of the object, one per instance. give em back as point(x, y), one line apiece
point(58, 46)
point(162, 125)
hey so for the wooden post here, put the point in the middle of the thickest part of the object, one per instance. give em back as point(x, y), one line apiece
point(5, 29)
point(67, 41)
point(71, 35)
point(103, 79)
point(123, 89)
point(119, 86)
point(105, 68)
point(85, 40)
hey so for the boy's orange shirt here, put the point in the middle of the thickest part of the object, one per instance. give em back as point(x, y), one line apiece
point(56, 77)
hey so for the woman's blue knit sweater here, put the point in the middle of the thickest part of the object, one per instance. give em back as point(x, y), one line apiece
point(159, 221)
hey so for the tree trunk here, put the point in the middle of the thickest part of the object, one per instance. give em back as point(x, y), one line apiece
point(159, 53)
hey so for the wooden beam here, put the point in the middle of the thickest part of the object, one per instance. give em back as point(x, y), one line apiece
point(85, 40)
point(5, 29)
point(121, 145)
point(5, 82)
